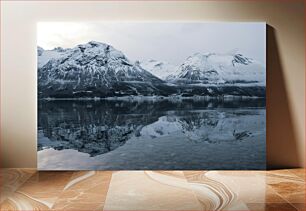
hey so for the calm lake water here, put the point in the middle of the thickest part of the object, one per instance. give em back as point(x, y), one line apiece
point(152, 134)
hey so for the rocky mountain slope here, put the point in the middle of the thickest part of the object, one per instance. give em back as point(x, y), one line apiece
point(220, 69)
point(92, 70)
point(99, 70)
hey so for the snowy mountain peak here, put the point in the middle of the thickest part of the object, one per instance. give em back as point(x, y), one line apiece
point(40, 51)
point(160, 69)
point(59, 49)
point(97, 69)
point(218, 58)
point(95, 66)
point(100, 49)
point(94, 45)
point(240, 59)
point(213, 68)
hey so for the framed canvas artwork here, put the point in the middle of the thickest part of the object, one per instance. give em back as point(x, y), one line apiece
point(151, 95)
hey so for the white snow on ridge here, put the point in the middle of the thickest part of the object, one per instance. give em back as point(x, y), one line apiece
point(159, 68)
point(44, 56)
point(221, 68)
point(95, 59)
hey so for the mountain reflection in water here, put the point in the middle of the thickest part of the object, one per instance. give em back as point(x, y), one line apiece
point(102, 129)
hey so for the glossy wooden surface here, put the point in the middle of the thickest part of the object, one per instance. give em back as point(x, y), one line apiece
point(27, 189)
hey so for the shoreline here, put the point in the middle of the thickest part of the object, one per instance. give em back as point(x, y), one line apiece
point(226, 97)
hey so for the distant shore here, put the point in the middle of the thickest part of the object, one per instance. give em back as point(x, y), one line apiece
point(148, 98)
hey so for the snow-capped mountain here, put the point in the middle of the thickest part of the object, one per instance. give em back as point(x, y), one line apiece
point(212, 68)
point(99, 70)
point(44, 56)
point(94, 69)
point(159, 68)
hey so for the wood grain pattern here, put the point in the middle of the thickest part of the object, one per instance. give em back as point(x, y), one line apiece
point(11, 179)
point(85, 191)
point(24, 189)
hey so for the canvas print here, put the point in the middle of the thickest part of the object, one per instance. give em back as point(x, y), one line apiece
point(151, 95)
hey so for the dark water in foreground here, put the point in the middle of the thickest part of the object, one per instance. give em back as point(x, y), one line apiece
point(164, 134)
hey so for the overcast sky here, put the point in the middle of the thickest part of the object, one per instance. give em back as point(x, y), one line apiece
point(165, 41)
